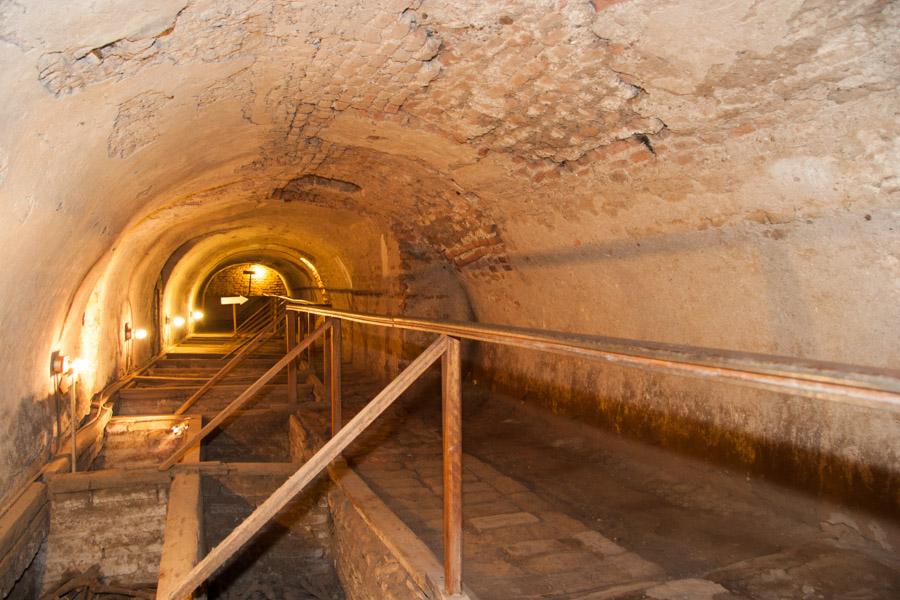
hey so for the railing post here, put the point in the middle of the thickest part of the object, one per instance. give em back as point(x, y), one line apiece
point(73, 408)
point(290, 340)
point(326, 370)
point(309, 328)
point(451, 388)
point(334, 386)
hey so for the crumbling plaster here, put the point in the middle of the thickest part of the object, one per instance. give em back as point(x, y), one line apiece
point(722, 176)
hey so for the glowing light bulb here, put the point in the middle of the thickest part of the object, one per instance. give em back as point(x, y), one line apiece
point(140, 334)
point(178, 321)
point(80, 365)
point(197, 315)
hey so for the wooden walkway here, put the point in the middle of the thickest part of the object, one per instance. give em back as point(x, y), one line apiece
point(520, 541)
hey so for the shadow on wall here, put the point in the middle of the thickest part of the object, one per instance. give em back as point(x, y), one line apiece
point(673, 424)
point(26, 436)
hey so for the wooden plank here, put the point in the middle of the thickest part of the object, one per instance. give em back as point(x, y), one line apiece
point(451, 392)
point(290, 339)
point(234, 362)
point(63, 483)
point(22, 529)
point(17, 517)
point(168, 378)
point(334, 384)
point(183, 533)
point(326, 371)
point(173, 392)
point(241, 399)
point(296, 482)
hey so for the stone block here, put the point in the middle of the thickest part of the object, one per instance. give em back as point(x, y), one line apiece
point(503, 520)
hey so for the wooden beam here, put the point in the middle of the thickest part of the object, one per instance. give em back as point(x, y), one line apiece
point(183, 533)
point(16, 519)
point(850, 384)
point(244, 532)
point(326, 369)
point(290, 339)
point(225, 370)
point(22, 528)
point(167, 378)
point(334, 384)
point(241, 399)
point(451, 401)
point(63, 483)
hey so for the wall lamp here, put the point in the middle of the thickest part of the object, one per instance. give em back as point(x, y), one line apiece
point(138, 334)
point(59, 363)
point(197, 315)
point(178, 321)
point(80, 365)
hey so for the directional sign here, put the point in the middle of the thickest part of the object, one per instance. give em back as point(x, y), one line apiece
point(233, 299)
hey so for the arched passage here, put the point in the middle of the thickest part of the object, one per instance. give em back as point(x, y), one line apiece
point(587, 167)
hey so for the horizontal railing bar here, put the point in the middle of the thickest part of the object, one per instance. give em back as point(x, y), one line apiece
point(858, 385)
point(255, 314)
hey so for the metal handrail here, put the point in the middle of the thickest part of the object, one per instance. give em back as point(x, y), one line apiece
point(865, 386)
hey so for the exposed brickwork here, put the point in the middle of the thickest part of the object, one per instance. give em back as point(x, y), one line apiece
point(232, 281)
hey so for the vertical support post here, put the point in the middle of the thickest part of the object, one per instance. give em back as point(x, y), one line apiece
point(234, 317)
point(73, 408)
point(274, 304)
point(326, 371)
point(451, 400)
point(290, 340)
point(334, 386)
point(309, 329)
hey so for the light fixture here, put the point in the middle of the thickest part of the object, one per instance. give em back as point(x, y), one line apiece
point(128, 332)
point(80, 365)
point(140, 334)
point(178, 321)
point(59, 363)
point(197, 315)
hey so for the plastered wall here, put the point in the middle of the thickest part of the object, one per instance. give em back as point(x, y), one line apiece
point(597, 167)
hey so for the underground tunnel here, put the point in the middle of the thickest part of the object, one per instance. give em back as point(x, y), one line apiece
point(405, 299)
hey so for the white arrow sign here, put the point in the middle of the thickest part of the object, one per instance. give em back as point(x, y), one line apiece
point(233, 299)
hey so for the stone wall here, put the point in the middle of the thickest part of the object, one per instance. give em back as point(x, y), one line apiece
point(120, 529)
point(375, 553)
point(232, 281)
point(366, 567)
point(579, 166)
